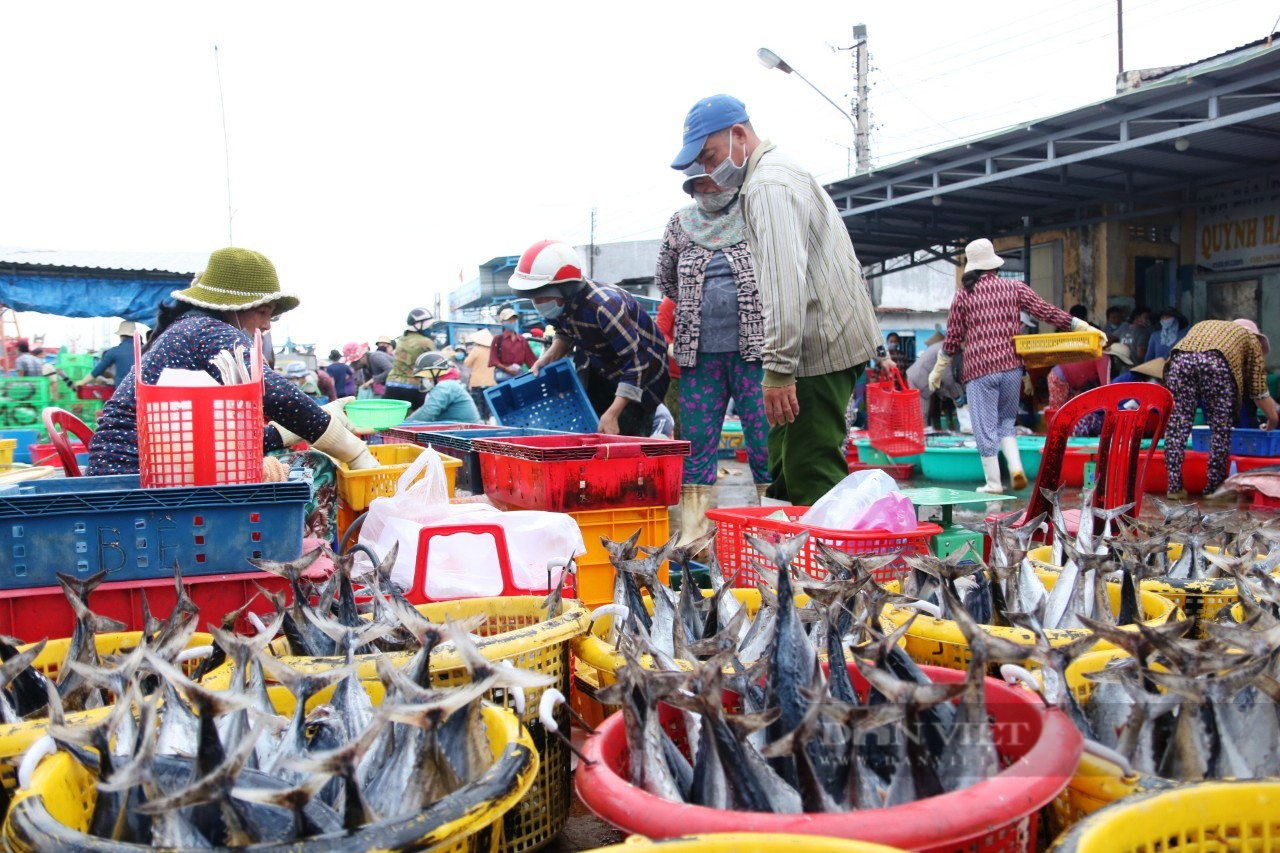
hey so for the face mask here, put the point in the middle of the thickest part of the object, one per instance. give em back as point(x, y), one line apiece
point(1168, 323)
point(550, 309)
point(714, 202)
point(460, 356)
point(511, 325)
point(428, 384)
point(891, 347)
point(729, 174)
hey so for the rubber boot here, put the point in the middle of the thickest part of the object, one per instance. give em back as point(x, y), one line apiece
point(761, 488)
point(1013, 458)
point(991, 470)
point(695, 500)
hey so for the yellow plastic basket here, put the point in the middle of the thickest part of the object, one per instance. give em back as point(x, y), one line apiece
point(358, 488)
point(15, 738)
point(517, 631)
point(56, 810)
point(1058, 348)
point(7, 447)
point(746, 842)
point(1199, 600)
point(940, 642)
point(1209, 817)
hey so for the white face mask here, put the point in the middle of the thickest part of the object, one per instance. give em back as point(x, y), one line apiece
point(729, 174)
point(550, 309)
point(714, 202)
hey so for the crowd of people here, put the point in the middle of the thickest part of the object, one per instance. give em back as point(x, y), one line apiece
point(765, 310)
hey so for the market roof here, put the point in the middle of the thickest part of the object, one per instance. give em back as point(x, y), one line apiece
point(182, 263)
point(1142, 152)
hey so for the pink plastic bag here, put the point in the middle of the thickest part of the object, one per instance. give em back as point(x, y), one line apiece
point(893, 512)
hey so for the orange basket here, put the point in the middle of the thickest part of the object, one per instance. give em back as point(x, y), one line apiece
point(199, 436)
point(895, 420)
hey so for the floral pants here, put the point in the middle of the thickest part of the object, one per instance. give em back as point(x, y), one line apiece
point(705, 391)
point(1200, 378)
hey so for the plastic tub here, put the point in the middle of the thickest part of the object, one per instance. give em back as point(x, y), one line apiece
point(940, 642)
point(951, 464)
point(746, 842)
point(867, 453)
point(1038, 746)
point(567, 473)
point(376, 414)
point(55, 811)
point(84, 525)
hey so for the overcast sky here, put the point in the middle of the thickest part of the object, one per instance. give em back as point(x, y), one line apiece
point(378, 150)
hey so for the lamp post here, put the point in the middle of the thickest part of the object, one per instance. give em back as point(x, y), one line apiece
point(769, 59)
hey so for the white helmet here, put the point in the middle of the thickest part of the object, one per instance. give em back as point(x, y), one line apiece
point(419, 318)
point(545, 263)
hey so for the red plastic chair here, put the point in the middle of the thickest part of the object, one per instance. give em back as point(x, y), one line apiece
point(1121, 466)
point(59, 422)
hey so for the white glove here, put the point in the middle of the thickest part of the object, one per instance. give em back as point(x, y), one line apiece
point(343, 445)
point(935, 375)
point(1078, 325)
point(338, 409)
point(288, 439)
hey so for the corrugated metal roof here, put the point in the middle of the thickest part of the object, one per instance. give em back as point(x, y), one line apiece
point(181, 263)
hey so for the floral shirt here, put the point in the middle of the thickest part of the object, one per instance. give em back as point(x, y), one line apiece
point(1238, 346)
point(188, 345)
point(682, 270)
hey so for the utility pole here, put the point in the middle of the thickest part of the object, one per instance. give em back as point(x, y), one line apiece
point(1120, 35)
point(862, 115)
point(591, 250)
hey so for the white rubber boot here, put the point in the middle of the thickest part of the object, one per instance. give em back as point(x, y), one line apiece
point(1013, 458)
point(695, 500)
point(991, 470)
point(761, 488)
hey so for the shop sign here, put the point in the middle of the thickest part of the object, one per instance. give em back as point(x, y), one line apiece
point(1238, 225)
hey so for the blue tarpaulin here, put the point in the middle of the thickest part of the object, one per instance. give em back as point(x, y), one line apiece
point(133, 298)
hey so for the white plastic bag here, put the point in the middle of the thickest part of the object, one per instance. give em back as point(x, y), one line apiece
point(846, 504)
point(463, 564)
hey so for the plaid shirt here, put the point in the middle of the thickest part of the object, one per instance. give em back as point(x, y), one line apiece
point(616, 338)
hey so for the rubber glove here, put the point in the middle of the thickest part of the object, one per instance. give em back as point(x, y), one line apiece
point(939, 369)
point(338, 409)
point(343, 445)
point(1078, 325)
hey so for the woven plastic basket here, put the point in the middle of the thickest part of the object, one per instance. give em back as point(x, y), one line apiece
point(56, 810)
point(517, 631)
point(1058, 348)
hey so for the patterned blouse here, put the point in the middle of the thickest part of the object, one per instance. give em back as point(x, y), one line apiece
point(188, 345)
point(985, 319)
point(682, 270)
point(1238, 346)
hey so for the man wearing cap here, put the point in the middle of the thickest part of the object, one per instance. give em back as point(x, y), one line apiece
point(1215, 366)
point(615, 342)
point(510, 353)
point(118, 359)
point(819, 325)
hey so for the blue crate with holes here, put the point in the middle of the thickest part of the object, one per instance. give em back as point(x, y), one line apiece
point(1244, 442)
point(83, 525)
point(554, 400)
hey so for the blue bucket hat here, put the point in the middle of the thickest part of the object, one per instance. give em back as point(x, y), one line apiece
point(708, 116)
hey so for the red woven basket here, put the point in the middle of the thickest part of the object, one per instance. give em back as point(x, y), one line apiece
point(200, 436)
point(895, 421)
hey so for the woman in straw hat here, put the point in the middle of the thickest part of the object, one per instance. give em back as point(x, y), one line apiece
point(985, 315)
point(237, 294)
point(1216, 366)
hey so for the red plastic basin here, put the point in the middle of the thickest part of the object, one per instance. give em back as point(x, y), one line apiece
point(1039, 746)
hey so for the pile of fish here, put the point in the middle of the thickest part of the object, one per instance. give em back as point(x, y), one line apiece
point(179, 765)
point(801, 741)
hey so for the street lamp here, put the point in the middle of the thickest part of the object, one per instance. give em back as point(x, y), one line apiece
point(769, 59)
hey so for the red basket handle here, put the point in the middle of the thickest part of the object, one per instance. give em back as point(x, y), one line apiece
point(621, 450)
point(418, 593)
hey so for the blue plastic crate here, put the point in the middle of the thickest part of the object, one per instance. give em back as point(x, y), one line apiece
point(554, 400)
point(83, 525)
point(1244, 442)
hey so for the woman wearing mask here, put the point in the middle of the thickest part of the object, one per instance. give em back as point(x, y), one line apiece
point(1173, 328)
point(236, 295)
point(705, 266)
point(446, 398)
point(510, 354)
point(985, 315)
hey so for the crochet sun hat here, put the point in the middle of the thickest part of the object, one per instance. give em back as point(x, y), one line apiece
point(237, 280)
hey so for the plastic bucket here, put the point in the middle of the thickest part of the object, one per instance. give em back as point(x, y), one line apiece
point(1038, 747)
point(746, 842)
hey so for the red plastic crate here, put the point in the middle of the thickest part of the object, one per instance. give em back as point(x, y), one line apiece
point(1195, 473)
point(566, 473)
point(1261, 501)
point(44, 453)
point(1248, 463)
point(736, 556)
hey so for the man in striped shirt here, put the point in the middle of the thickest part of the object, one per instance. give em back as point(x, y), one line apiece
point(819, 324)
